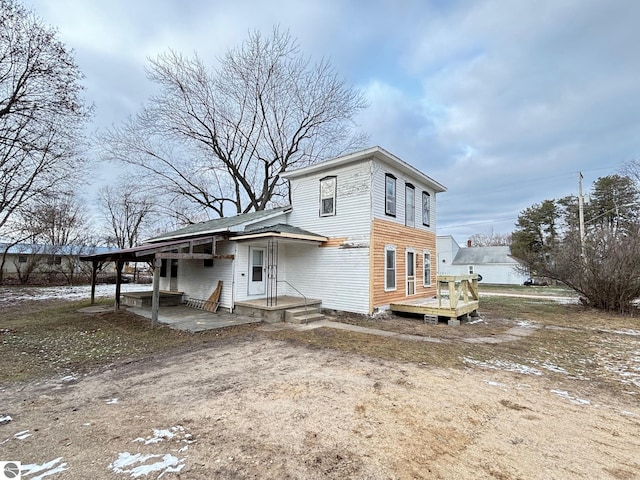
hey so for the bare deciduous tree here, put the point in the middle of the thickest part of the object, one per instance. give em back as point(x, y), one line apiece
point(41, 111)
point(221, 137)
point(62, 226)
point(490, 239)
point(129, 212)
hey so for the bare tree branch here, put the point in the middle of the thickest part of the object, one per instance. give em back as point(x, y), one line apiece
point(221, 137)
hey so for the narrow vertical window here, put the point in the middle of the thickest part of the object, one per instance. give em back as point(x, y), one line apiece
point(426, 269)
point(390, 195)
point(470, 269)
point(410, 206)
point(328, 196)
point(426, 209)
point(389, 267)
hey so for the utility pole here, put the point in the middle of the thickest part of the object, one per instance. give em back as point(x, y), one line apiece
point(581, 213)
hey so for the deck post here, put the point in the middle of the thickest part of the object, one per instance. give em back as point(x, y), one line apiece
point(155, 299)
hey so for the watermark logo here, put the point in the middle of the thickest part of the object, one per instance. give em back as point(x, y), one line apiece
point(10, 471)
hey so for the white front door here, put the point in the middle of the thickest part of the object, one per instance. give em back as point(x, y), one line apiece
point(256, 271)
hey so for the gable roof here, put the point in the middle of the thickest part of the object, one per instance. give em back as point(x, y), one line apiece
point(376, 152)
point(484, 255)
point(237, 223)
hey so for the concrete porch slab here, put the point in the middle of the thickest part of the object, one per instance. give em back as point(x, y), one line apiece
point(193, 320)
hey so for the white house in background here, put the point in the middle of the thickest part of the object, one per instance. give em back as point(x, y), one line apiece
point(494, 264)
point(358, 235)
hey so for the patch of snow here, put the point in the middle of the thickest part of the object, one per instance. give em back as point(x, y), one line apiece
point(576, 400)
point(49, 468)
point(68, 378)
point(22, 435)
point(626, 331)
point(524, 323)
point(5, 419)
point(504, 365)
point(112, 401)
point(475, 321)
point(554, 368)
point(161, 435)
point(80, 292)
point(494, 383)
point(136, 465)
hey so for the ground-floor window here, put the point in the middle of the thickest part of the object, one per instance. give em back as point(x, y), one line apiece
point(426, 268)
point(389, 267)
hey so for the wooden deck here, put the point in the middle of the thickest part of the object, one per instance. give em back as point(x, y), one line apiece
point(457, 296)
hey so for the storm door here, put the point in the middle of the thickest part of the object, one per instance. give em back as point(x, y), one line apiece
point(256, 271)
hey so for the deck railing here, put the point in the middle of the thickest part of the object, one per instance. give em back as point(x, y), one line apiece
point(458, 288)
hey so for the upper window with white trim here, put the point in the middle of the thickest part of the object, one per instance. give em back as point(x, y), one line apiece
point(327, 196)
point(426, 209)
point(409, 205)
point(390, 195)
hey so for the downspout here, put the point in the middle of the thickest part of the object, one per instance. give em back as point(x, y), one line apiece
point(233, 277)
point(371, 237)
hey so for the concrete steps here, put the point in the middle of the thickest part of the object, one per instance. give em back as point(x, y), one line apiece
point(301, 315)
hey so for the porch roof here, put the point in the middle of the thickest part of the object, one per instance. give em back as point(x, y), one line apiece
point(281, 230)
point(146, 252)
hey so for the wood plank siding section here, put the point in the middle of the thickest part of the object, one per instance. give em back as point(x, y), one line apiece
point(334, 242)
point(386, 233)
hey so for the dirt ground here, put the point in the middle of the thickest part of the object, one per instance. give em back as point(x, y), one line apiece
point(255, 407)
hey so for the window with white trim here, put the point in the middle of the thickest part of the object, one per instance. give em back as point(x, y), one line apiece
point(327, 196)
point(390, 195)
point(426, 268)
point(409, 205)
point(426, 209)
point(389, 267)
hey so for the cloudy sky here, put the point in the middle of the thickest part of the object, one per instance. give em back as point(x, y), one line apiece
point(503, 102)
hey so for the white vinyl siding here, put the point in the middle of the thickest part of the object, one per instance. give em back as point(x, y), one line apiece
point(337, 276)
point(380, 175)
point(352, 202)
point(198, 282)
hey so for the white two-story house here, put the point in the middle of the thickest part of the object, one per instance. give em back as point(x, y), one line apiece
point(358, 235)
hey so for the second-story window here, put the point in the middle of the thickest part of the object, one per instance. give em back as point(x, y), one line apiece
point(426, 209)
point(390, 195)
point(328, 196)
point(410, 206)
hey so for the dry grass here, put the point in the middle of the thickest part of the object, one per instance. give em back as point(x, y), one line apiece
point(566, 342)
point(37, 340)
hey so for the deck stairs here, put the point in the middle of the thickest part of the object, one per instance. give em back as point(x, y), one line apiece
point(307, 314)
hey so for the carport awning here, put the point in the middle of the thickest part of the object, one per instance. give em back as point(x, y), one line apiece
point(147, 252)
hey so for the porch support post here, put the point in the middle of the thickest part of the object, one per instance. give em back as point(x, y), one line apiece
point(94, 274)
point(155, 299)
point(119, 265)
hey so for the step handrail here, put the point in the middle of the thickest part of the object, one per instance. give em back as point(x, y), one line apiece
point(299, 293)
